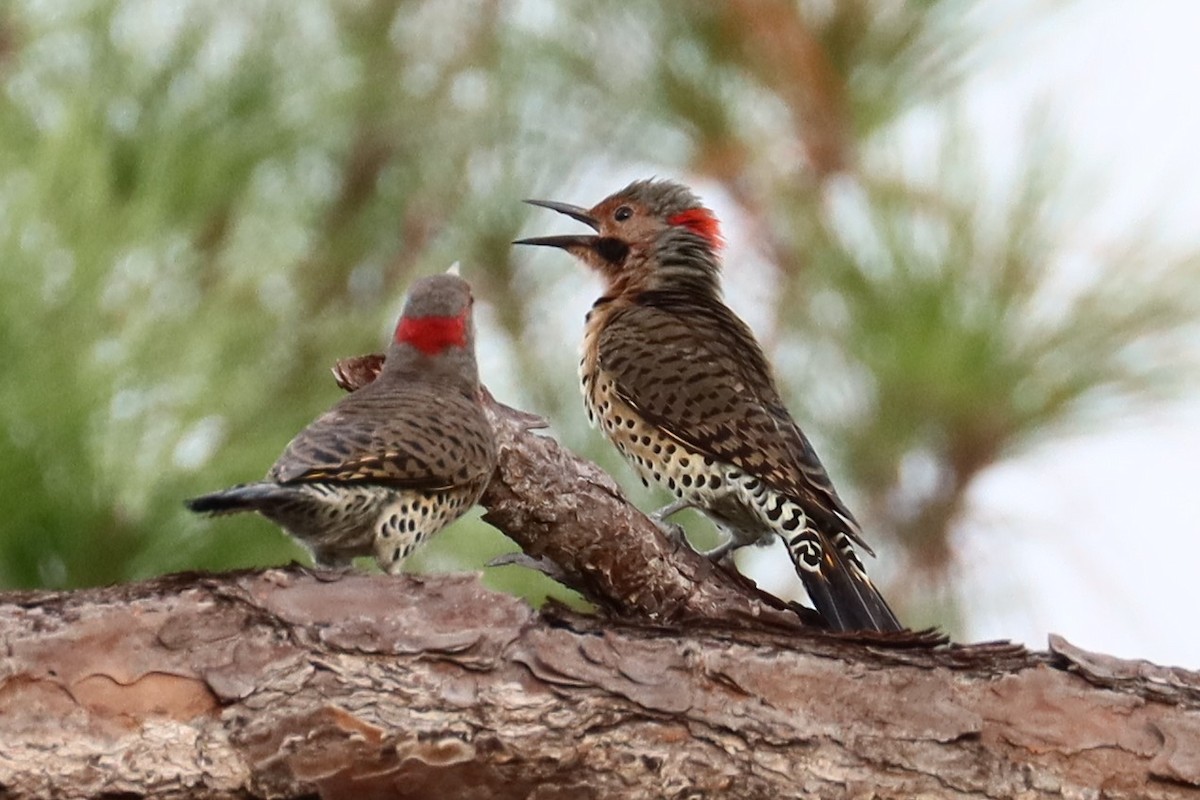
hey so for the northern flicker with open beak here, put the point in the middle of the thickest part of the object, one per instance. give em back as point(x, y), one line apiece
point(395, 462)
point(682, 388)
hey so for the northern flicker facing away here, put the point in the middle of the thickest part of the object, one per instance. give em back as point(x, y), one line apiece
point(396, 461)
point(680, 385)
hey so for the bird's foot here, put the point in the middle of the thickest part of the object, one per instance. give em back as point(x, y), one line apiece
point(719, 552)
point(331, 573)
point(673, 532)
point(519, 559)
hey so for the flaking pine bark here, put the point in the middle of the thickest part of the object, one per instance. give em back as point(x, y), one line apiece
point(286, 683)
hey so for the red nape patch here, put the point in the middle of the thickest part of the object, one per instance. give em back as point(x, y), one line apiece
point(432, 335)
point(703, 222)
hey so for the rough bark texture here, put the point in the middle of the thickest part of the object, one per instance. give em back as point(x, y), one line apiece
point(293, 684)
point(688, 683)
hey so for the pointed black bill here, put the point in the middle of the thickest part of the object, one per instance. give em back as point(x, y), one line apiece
point(609, 249)
point(574, 212)
point(563, 242)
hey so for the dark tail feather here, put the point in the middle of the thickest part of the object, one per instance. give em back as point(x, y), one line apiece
point(821, 594)
point(246, 497)
point(844, 595)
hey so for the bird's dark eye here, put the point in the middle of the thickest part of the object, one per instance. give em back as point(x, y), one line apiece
point(623, 213)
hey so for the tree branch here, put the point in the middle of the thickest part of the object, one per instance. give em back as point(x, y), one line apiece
point(292, 684)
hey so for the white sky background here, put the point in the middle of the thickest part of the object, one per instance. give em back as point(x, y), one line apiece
point(1096, 537)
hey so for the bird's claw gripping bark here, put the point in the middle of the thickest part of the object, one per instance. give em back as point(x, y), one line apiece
point(331, 573)
point(673, 531)
point(716, 554)
point(519, 559)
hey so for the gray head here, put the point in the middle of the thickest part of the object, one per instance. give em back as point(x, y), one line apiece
point(435, 336)
point(651, 234)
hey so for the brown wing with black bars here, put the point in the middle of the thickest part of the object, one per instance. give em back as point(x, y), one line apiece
point(406, 436)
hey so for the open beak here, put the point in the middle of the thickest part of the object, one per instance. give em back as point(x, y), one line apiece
point(574, 212)
point(568, 243)
point(564, 242)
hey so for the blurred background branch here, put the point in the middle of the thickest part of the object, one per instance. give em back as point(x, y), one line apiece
point(201, 208)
